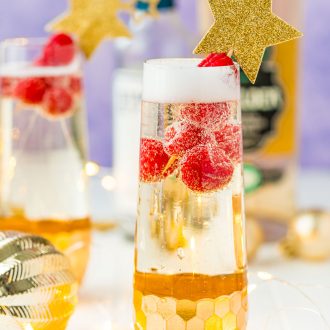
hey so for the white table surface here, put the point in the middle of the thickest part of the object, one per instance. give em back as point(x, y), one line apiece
point(297, 299)
point(105, 297)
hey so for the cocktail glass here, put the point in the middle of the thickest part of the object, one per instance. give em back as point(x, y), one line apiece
point(43, 145)
point(190, 255)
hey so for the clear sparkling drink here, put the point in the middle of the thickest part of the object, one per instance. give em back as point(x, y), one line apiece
point(190, 259)
point(43, 145)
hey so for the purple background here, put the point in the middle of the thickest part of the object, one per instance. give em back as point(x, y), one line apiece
point(315, 93)
point(28, 17)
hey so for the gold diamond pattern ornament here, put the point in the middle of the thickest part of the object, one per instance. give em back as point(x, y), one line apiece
point(92, 21)
point(37, 288)
point(245, 28)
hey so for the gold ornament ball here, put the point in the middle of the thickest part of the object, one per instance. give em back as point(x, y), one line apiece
point(254, 237)
point(308, 236)
point(37, 287)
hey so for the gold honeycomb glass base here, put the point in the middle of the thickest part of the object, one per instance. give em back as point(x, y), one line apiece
point(228, 312)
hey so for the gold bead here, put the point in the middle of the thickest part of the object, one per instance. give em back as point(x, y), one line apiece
point(308, 236)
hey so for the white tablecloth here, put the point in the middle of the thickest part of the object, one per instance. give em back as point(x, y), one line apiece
point(105, 297)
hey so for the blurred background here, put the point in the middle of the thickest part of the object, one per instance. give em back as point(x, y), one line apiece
point(306, 90)
point(29, 17)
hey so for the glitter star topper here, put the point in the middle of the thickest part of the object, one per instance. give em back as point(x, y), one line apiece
point(92, 21)
point(245, 28)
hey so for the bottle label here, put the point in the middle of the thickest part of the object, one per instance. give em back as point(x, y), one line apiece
point(261, 105)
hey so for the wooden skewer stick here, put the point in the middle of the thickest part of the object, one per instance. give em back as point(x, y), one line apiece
point(169, 164)
point(230, 53)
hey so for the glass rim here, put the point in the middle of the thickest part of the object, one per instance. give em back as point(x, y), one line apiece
point(182, 64)
point(31, 45)
point(26, 42)
point(23, 42)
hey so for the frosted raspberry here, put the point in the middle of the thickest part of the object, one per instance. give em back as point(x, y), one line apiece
point(216, 59)
point(153, 161)
point(57, 81)
point(206, 114)
point(72, 83)
point(30, 90)
point(7, 85)
point(206, 168)
point(59, 50)
point(180, 137)
point(57, 102)
point(75, 84)
point(229, 138)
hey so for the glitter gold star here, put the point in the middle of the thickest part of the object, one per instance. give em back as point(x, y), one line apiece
point(92, 21)
point(246, 28)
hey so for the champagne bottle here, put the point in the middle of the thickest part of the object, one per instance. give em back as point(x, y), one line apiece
point(152, 37)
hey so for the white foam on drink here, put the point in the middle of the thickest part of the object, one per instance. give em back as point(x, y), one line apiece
point(182, 81)
point(26, 69)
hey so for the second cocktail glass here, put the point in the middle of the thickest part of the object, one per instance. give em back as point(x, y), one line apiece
point(190, 261)
point(43, 144)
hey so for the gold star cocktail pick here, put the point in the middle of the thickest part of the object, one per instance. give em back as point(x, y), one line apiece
point(92, 21)
point(245, 28)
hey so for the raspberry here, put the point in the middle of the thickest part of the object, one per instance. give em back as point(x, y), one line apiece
point(230, 140)
point(7, 85)
point(180, 137)
point(57, 101)
point(215, 59)
point(153, 160)
point(31, 90)
point(57, 81)
point(206, 114)
point(59, 50)
point(71, 83)
point(206, 168)
point(75, 84)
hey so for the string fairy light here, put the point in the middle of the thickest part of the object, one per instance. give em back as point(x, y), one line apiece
point(267, 278)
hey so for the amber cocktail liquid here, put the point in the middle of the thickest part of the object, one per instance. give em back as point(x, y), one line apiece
point(190, 262)
point(42, 140)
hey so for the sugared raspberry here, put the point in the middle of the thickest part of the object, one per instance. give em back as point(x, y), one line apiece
point(57, 102)
point(216, 59)
point(75, 84)
point(7, 85)
point(59, 50)
point(153, 161)
point(229, 138)
point(206, 114)
point(57, 81)
point(180, 137)
point(206, 168)
point(71, 83)
point(30, 90)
